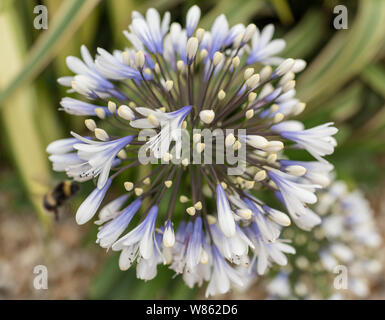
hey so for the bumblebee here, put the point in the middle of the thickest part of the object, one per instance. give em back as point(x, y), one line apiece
point(54, 199)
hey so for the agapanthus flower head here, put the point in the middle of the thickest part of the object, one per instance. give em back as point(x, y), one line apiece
point(345, 243)
point(208, 111)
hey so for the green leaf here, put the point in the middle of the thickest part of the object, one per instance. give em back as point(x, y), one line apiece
point(64, 25)
point(234, 12)
point(17, 117)
point(283, 11)
point(298, 42)
point(338, 108)
point(374, 76)
point(348, 52)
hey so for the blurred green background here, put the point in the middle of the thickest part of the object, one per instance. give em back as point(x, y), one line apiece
point(344, 82)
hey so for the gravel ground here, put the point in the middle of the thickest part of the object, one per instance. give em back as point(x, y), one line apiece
point(22, 247)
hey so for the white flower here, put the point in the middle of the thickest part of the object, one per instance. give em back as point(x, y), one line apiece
point(223, 275)
point(111, 210)
point(317, 141)
point(98, 157)
point(317, 172)
point(62, 146)
point(80, 108)
point(110, 232)
point(150, 30)
point(263, 49)
point(89, 206)
point(268, 252)
point(113, 68)
point(88, 81)
point(234, 249)
point(170, 82)
point(307, 220)
point(294, 194)
point(225, 214)
point(170, 124)
point(192, 19)
point(139, 240)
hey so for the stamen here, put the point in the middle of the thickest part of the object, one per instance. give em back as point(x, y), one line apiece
point(139, 59)
point(111, 106)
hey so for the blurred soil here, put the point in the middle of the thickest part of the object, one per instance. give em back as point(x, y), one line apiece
point(23, 246)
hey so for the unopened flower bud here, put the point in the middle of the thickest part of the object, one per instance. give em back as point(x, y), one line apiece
point(111, 106)
point(183, 199)
point(286, 78)
point(288, 86)
point(198, 205)
point(197, 137)
point(122, 154)
point(299, 108)
point(249, 32)
point(138, 191)
point(167, 157)
point(207, 116)
point(168, 236)
point(180, 65)
point(257, 141)
point(191, 211)
point(265, 73)
point(260, 175)
point(278, 117)
point(200, 147)
point(168, 183)
point(248, 73)
point(230, 140)
point(271, 158)
point(157, 68)
point(128, 186)
point(296, 170)
point(217, 59)
point(191, 48)
point(126, 58)
point(100, 112)
point(126, 113)
point(235, 62)
point(237, 145)
point(249, 114)
point(90, 124)
point(185, 162)
point(285, 67)
point(245, 213)
point(203, 54)
point(273, 146)
point(169, 85)
point(252, 96)
point(200, 33)
point(101, 134)
point(252, 82)
point(221, 95)
point(139, 59)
